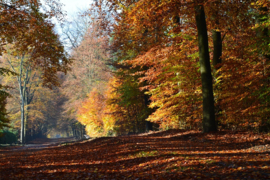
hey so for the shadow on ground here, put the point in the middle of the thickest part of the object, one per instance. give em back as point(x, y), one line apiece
point(173, 154)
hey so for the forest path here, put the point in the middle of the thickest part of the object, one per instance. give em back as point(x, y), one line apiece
point(42, 143)
point(165, 155)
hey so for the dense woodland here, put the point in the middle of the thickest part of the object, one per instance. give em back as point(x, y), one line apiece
point(132, 66)
point(179, 87)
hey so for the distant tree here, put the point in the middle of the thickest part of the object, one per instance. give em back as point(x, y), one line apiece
point(74, 29)
point(89, 70)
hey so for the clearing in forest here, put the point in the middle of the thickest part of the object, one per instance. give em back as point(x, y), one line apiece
point(172, 154)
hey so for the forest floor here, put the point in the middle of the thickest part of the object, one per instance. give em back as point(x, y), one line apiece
point(172, 154)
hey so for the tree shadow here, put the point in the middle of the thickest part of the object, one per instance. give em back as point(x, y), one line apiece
point(174, 154)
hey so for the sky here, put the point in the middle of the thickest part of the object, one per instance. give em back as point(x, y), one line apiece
point(72, 6)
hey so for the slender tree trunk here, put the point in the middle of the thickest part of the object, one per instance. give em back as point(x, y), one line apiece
point(22, 89)
point(25, 103)
point(217, 43)
point(209, 123)
point(22, 123)
point(25, 124)
point(81, 131)
point(25, 117)
point(22, 102)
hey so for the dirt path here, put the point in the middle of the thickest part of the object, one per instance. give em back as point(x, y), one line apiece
point(43, 143)
point(168, 155)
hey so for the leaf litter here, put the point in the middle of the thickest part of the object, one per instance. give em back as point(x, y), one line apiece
point(172, 154)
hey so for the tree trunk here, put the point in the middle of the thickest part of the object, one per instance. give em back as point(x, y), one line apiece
point(25, 122)
point(148, 124)
point(22, 97)
point(209, 123)
point(81, 131)
point(25, 104)
point(22, 122)
point(263, 35)
point(22, 101)
point(216, 35)
point(217, 41)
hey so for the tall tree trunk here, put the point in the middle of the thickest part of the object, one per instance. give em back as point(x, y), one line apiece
point(25, 117)
point(25, 103)
point(148, 124)
point(22, 102)
point(81, 126)
point(209, 123)
point(22, 89)
point(217, 41)
point(263, 35)
point(22, 123)
point(216, 35)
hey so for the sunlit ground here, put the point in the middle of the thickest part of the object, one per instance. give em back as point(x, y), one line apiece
point(173, 154)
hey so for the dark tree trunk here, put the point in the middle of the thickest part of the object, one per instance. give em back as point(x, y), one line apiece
point(217, 41)
point(216, 35)
point(209, 123)
point(148, 124)
point(263, 35)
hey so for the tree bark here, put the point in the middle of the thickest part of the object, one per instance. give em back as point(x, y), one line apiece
point(263, 35)
point(22, 102)
point(217, 53)
point(217, 41)
point(148, 124)
point(22, 93)
point(216, 35)
point(209, 123)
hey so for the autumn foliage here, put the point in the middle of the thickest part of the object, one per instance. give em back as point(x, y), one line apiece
point(155, 50)
point(157, 68)
point(179, 87)
point(27, 35)
point(91, 114)
point(149, 65)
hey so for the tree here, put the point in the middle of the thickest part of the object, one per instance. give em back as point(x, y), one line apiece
point(154, 22)
point(156, 32)
point(31, 31)
point(3, 111)
point(4, 120)
point(28, 82)
point(209, 123)
point(22, 89)
point(23, 24)
point(74, 29)
point(89, 70)
point(91, 113)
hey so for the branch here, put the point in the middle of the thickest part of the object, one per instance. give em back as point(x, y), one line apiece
point(8, 6)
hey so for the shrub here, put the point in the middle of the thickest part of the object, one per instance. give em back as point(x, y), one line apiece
point(8, 137)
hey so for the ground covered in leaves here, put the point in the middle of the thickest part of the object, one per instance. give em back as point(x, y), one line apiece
point(173, 154)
